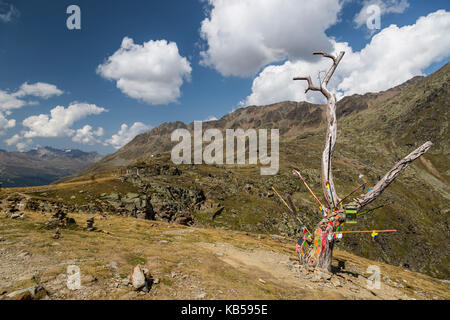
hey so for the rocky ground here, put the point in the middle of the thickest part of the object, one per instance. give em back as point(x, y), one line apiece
point(128, 258)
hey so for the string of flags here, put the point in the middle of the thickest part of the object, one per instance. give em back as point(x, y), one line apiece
point(373, 233)
point(311, 245)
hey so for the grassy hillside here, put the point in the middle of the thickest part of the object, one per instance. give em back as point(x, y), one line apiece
point(185, 263)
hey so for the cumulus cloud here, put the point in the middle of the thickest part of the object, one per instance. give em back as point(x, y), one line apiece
point(8, 12)
point(386, 6)
point(38, 89)
point(393, 56)
point(20, 143)
point(245, 35)
point(86, 135)
point(275, 84)
point(152, 72)
point(6, 124)
point(60, 120)
point(13, 140)
point(210, 118)
point(396, 54)
point(9, 101)
point(14, 100)
point(126, 134)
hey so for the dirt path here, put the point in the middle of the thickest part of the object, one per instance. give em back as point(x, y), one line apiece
point(277, 268)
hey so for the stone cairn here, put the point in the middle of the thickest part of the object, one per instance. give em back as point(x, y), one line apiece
point(59, 220)
point(90, 225)
point(12, 211)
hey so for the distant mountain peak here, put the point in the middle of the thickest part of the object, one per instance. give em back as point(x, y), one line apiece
point(42, 165)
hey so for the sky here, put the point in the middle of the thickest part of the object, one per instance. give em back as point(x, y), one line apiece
point(136, 64)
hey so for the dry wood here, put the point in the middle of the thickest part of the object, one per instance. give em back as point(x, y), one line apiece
point(331, 136)
point(398, 168)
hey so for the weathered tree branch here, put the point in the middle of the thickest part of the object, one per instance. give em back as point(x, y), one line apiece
point(398, 168)
point(336, 61)
point(326, 55)
point(310, 84)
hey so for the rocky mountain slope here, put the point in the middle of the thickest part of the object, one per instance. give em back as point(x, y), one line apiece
point(42, 166)
point(374, 131)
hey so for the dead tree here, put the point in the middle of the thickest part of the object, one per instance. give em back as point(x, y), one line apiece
point(323, 238)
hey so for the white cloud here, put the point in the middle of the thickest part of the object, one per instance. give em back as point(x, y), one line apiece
point(60, 120)
point(21, 143)
point(23, 146)
point(245, 35)
point(210, 118)
point(13, 140)
point(38, 89)
point(395, 54)
point(392, 57)
point(7, 12)
point(9, 101)
point(153, 72)
point(14, 100)
point(386, 6)
point(275, 84)
point(126, 134)
point(85, 135)
point(6, 124)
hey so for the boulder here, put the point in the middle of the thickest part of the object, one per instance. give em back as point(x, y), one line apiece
point(130, 197)
point(32, 293)
point(140, 279)
point(18, 215)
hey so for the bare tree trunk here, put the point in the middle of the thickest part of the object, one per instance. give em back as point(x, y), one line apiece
point(328, 187)
point(398, 168)
point(325, 228)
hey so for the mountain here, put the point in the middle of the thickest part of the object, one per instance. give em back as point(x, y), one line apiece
point(374, 131)
point(42, 166)
point(291, 118)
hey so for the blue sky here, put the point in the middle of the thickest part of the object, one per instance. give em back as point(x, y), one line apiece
point(217, 66)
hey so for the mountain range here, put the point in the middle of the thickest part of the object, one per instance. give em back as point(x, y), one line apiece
point(42, 166)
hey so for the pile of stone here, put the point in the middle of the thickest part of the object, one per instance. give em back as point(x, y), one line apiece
point(90, 225)
point(140, 279)
point(59, 220)
point(38, 206)
point(13, 213)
